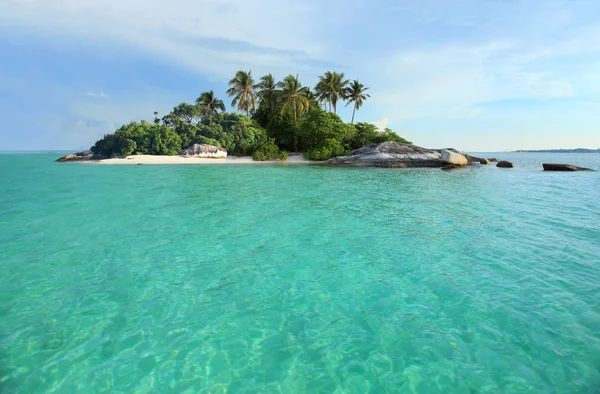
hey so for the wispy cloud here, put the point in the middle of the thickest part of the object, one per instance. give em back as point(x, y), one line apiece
point(429, 64)
point(100, 95)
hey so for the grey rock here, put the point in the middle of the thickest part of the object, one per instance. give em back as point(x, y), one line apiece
point(79, 156)
point(452, 157)
point(390, 155)
point(505, 164)
point(205, 150)
point(564, 167)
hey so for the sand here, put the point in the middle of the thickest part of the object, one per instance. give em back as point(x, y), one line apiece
point(151, 159)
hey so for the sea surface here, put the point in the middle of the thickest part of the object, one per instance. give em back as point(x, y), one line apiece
point(299, 279)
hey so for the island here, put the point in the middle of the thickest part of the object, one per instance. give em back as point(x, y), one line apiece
point(273, 123)
point(273, 120)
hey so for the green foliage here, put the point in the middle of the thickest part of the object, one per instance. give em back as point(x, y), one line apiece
point(281, 128)
point(164, 141)
point(285, 116)
point(205, 140)
point(330, 148)
point(186, 112)
point(267, 149)
point(243, 91)
point(318, 127)
point(366, 134)
point(389, 135)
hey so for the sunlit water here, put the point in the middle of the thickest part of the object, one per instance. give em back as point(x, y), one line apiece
point(299, 278)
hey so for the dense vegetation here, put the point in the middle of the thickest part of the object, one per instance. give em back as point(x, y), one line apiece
point(275, 117)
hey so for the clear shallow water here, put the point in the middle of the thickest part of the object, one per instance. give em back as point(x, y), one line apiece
point(299, 278)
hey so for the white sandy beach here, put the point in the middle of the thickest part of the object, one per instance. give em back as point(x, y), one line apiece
point(151, 159)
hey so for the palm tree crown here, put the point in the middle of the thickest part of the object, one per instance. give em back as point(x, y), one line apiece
point(209, 105)
point(242, 90)
point(268, 90)
point(355, 93)
point(331, 87)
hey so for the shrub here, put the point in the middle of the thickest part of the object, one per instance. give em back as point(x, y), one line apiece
point(268, 150)
point(389, 135)
point(331, 148)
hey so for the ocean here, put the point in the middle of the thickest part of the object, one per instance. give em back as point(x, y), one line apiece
point(299, 279)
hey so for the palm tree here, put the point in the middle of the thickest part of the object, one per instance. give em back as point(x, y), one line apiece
point(330, 88)
point(355, 93)
point(295, 100)
point(242, 90)
point(311, 100)
point(209, 105)
point(268, 91)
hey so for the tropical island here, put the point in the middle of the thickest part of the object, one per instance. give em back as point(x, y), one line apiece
point(273, 118)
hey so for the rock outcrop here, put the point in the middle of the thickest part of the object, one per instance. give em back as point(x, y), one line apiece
point(205, 151)
point(563, 167)
point(484, 161)
point(504, 164)
point(450, 157)
point(390, 155)
point(79, 156)
point(493, 160)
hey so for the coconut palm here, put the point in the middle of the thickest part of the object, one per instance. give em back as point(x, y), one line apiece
point(268, 91)
point(209, 105)
point(243, 91)
point(355, 93)
point(295, 100)
point(311, 100)
point(331, 88)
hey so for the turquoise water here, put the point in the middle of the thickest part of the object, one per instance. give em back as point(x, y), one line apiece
point(264, 279)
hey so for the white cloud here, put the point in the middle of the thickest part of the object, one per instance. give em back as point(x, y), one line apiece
point(426, 60)
point(381, 124)
point(100, 95)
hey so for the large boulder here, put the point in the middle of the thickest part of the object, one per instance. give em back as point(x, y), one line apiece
point(563, 167)
point(505, 164)
point(205, 151)
point(390, 155)
point(450, 157)
point(79, 156)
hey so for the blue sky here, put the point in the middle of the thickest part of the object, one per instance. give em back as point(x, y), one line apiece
point(478, 75)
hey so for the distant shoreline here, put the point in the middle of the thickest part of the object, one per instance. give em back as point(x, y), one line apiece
point(578, 150)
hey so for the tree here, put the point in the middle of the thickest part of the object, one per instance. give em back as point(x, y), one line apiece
point(355, 93)
point(330, 88)
point(243, 91)
point(268, 91)
point(325, 133)
point(295, 100)
point(209, 105)
point(186, 112)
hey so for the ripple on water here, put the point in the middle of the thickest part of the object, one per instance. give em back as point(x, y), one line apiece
point(298, 279)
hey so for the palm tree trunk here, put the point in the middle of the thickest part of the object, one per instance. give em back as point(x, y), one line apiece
point(295, 129)
point(353, 112)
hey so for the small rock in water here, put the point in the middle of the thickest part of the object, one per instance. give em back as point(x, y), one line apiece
point(484, 161)
point(563, 167)
point(505, 164)
point(493, 160)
